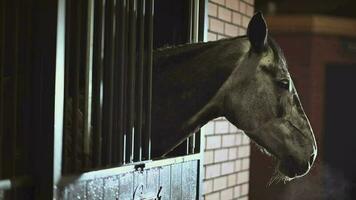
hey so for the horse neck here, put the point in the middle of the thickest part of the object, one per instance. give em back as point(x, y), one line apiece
point(190, 75)
point(185, 79)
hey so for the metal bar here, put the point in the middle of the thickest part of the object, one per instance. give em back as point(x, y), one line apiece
point(59, 92)
point(203, 20)
point(108, 82)
point(131, 81)
point(88, 83)
point(119, 86)
point(2, 64)
point(97, 80)
point(139, 80)
point(15, 90)
point(74, 84)
point(146, 146)
point(196, 11)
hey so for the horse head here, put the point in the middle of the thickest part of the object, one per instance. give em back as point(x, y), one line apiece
point(260, 98)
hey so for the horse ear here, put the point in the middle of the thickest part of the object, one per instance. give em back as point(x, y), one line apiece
point(257, 32)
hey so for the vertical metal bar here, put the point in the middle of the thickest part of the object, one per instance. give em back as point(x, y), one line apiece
point(131, 80)
point(146, 146)
point(66, 135)
point(2, 64)
point(139, 80)
point(119, 80)
point(59, 92)
point(203, 20)
point(97, 80)
point(88, 83)
point(74, 86)
point(108, 82)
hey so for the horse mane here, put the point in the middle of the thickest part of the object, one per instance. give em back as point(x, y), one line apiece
point(165, 56)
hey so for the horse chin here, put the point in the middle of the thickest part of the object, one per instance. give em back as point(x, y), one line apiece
point(279, 174)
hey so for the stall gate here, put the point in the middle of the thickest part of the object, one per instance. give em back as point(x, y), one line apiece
point(75, 100)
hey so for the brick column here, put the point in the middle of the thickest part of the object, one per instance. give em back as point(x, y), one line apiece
point(227, 149)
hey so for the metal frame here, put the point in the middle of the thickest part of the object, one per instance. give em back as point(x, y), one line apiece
point(109, 18)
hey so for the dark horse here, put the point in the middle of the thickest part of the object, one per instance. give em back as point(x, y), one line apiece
point(244, 79)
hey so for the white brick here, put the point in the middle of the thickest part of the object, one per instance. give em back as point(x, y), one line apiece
point(208, 157)
point(244, 189)
point(238, 139)
point(212, 37)
point(243, 151)
point(236, 18)
point(231, 30)
point(232, 128)
point(242, 177)
point(212, 171)
point(221, 127)
point(216, 25)
point(245, 21)
point(228, 140)
point(242, 31)
point(243, 198)
point(242, 7)
point(237, 165)
point(213, 142)
point(249, 10)
point(227, 168)
point(208, 128)
point(232, 153)
point(221, 37)
point(245, 163)
point(220, 183)
point(208, 186)
point(222, 2)
point(213, 196)
point(251, 2)
point(224, 14)
point(231, 180)
point(227, 194)
point(221, 155)
point(232, 4)
point(213, 10)
point(237, 191)
point(245, 139)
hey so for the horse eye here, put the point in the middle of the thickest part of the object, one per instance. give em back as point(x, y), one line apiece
point(284, 84)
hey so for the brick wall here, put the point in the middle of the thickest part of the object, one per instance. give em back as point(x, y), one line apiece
point(227, 149)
